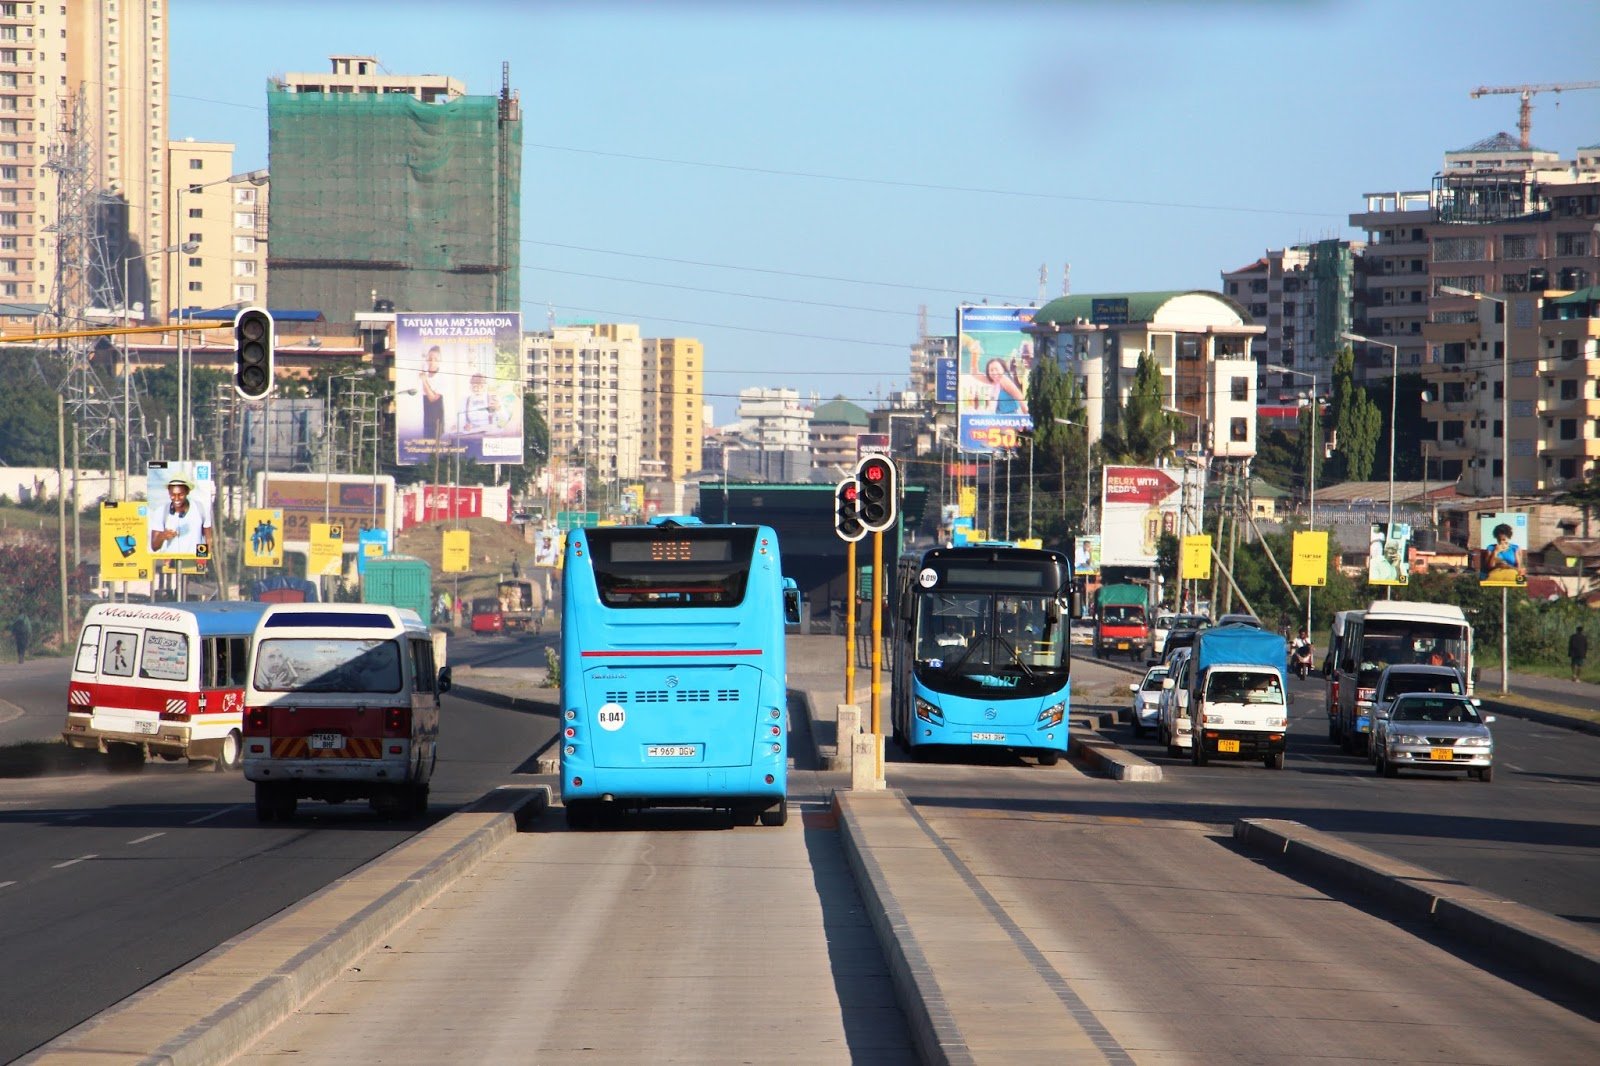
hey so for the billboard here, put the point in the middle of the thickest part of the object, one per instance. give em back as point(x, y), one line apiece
point(1195, 558)
point(1086, 555)
point(1502, 548)
point(458, 386)
point(996, 357)
point(265, 526)
point(124, 541)
point(1309, 565)
point(1139, 504)
point(180, 498)
point(348, 499)
point(1389, 554)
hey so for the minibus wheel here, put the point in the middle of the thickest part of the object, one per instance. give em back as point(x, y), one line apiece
point(229, 758)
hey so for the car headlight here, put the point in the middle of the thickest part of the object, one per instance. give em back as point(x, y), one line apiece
point(1474, 742)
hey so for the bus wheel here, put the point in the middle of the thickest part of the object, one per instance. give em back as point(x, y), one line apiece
point(1049, 758)
point(228, 760)
point(418, 805)
point(581, 814)
point(124, 758)
point(743, 814)
point(274, 803)
point(776, 815)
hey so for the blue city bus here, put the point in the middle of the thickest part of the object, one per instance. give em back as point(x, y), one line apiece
point(673, 672)
point(980, 650)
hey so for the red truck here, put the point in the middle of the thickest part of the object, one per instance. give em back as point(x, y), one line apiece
point(1122, 614)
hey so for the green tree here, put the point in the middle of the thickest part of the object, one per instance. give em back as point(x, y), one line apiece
point(1144, 432)
point(1356, 421)
point(1053, 394)
point(28, 415)
point(1585, 497)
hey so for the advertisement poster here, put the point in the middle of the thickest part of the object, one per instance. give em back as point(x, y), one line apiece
point(945, 380)
point(326, 551)
point(180, 498)
point(1139, 504)
point(996, 358)
point(352, 500)
point(458, 386)
point(370, 544)
point(1195, 559)
point(124, 541)
point(1086, 555)
point(265, 544)
point(1502, 548)
point(1309, 565)
point(1389, 554)
point(457, 551)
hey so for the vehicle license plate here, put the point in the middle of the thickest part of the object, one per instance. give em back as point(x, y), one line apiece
point(1122, 645)
point(326, 741)
point(988, 736)
point(1445, 754)
point(145, 727)
point(1227, 745)
point(672, 751)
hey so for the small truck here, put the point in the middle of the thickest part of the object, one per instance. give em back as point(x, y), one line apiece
point(1239, 695)
point(1122, 624)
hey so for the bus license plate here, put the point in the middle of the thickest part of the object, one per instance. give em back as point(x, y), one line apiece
point(672, 751)
point(1227, 745)
point(326, 741)
point(145, 727)
point(1442, 753)
point(989, 736)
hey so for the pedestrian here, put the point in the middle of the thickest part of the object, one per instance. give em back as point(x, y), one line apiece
point(1577, 651)
point(22, 633)
point(516, 567)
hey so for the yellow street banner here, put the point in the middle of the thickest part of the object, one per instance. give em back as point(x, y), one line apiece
point(1030, 542)
point(457, 551)
point(1195, 562)
point(1310, 565)
point(327, 550)
point(968, 501)
point(265, 544)
point(124, 541)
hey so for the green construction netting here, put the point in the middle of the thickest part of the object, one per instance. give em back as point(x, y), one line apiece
point(380, 192)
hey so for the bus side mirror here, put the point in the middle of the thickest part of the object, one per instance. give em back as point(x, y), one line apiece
point(444, 679)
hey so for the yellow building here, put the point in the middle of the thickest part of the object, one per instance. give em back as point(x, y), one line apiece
point(674, 388)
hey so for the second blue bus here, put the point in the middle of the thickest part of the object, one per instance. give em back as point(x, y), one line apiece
point(673, 686)
point(981, 655)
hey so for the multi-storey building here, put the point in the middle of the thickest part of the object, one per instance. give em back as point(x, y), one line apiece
point(1392, 273)
point(674, 389)
point(835, 425)
point(225, 220)
point(1513, 369)
point(83, 115)
point(587, 379)
point(774, 437)
point(379, 190)
point(1304, 296)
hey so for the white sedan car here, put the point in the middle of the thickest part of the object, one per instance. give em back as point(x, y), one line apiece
point(1147, 700)
point(1436, 732)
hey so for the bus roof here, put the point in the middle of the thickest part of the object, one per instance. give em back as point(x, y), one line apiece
point(354, 617)
point(1403, 611)
point(210, 616)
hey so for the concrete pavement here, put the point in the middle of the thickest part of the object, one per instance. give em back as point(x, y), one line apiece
point(970, 985)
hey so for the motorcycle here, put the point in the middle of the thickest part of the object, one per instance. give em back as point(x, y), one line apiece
point(1301, 661)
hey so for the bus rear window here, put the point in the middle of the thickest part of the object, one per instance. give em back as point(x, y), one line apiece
point(657, 567)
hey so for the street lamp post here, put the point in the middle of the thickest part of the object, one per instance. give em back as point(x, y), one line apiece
point(185, 402)
point(127, 366)
point(1087, 467)
point(1505, 457)
point(1394, 393)
point(1311, 479)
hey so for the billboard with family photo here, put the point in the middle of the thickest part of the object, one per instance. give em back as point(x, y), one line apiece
point(458, 386)
point(996, 358)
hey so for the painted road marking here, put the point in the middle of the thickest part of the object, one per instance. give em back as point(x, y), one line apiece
point(73, 862)
point(148, 836)
point(216, 814)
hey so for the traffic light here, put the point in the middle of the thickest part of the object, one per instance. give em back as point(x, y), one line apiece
point(252, 353)
point(880, 496)
point(846, 522)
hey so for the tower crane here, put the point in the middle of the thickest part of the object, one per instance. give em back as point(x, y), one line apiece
point(1525, 113)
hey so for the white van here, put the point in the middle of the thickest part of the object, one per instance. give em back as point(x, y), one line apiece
point(162, 679)
point(342, 703)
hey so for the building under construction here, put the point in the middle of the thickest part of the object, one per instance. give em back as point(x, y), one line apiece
point(392, 191)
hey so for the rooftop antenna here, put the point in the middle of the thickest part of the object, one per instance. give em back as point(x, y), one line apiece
point(1066, 279)
point(1044, 280)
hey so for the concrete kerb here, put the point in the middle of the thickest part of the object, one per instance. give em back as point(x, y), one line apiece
point(1110, 759)
point(1511, 931)
point(264, 974)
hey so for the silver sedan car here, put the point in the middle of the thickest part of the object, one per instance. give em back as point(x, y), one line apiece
point(1435, 732)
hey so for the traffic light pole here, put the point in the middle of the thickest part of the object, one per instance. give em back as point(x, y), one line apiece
point(877, 649)
point(850, 622)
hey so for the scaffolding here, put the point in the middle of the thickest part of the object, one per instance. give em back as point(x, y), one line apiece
point(382, 195)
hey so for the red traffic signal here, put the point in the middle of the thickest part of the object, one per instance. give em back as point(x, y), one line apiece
point(879, 503)
point(846, 521)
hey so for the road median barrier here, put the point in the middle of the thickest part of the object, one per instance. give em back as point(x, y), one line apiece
point(1110, 759)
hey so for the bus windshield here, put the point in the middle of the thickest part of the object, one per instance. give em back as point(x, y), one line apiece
point(322, 664)
point(1391, 641)
point(972, 642)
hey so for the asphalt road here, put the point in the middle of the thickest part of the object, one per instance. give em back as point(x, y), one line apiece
point(109, 882)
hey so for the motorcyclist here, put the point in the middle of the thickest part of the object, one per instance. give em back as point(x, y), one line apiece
point(1302, 651)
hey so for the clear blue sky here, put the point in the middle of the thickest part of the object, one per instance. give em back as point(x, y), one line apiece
point(790, 183)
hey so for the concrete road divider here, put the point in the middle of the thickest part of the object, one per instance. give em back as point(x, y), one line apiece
point(1103, 755)
point(211, 1009)
point(1519, 934)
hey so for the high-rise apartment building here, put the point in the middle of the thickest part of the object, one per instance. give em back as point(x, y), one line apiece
point(83, 127)
point(586, 378)
point(674, 389)
point(1304, 295)
point(225, 220)
point(394, 189)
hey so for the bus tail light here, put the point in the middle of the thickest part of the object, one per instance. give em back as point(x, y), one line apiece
point(256, 722)
point(397, 722)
